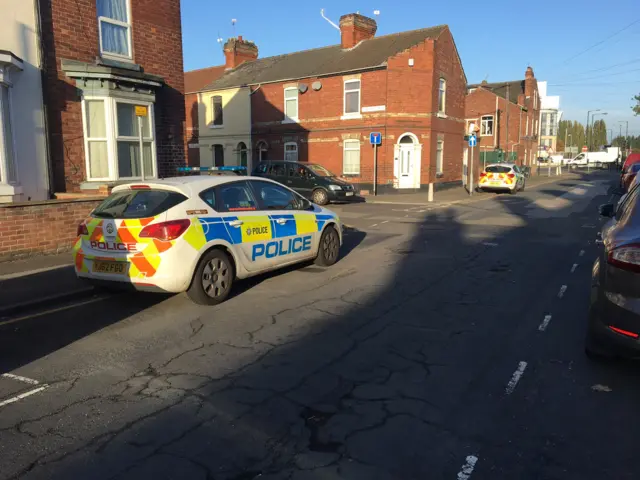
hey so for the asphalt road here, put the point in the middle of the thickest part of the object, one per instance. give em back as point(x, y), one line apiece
point(445, 344)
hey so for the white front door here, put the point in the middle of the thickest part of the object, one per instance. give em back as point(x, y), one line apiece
point(465, 166)
point(407, 167)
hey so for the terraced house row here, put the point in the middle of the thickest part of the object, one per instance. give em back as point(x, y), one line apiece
point(321, 105)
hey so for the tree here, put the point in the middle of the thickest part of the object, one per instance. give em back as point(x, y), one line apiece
point(636, 108)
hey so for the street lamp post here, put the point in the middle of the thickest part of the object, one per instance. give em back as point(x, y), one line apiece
point(587, 129)
point(592, 117)
point(626, 135)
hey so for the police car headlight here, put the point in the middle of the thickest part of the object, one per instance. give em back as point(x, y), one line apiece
point(335, 187)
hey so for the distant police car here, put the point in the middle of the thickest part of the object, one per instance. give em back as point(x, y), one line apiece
point(200, 233)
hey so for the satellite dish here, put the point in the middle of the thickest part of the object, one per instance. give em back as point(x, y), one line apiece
point(302, 87)
point(316, 86)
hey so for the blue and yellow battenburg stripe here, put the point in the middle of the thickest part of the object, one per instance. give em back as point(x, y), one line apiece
point(253, 228)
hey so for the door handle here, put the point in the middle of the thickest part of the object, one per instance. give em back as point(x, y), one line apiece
point(235, 223)
point(289, 181)
point(281, 221)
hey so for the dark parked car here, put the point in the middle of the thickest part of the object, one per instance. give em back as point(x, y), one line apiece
point(614, 316)
point(310, 180)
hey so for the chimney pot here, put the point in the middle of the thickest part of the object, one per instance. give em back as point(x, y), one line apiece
point(355, 28)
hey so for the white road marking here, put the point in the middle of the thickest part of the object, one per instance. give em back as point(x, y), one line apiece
point(30, 381)
point(545, 323)
point(22, 395)
point(386, 221)
point(563, 289)
point(581, 253)
point(467, 468)
point(573, 269)
point(517, 375)
point(374, 225)
point(489, 244)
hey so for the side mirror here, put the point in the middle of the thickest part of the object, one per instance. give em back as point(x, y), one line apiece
point(305, 204)
point(607, 210)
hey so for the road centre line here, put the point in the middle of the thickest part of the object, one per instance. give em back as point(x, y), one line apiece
point(562, 291)
point(30, 381)
point(573, 268)
point(374, 225)
point(545, 323)
point(517, 375)
point(467, 469)
point(22, 395)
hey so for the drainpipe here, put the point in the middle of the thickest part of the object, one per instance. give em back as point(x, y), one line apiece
point(45, 112)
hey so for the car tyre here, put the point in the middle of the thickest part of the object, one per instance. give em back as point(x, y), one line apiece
point(328, 248)
point(513, 191)
point(320, 197)
point(213, 279)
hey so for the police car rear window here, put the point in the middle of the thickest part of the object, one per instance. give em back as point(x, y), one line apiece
point(138, 204)
point(498, 169)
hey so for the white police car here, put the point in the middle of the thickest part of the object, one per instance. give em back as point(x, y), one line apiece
point(200, 233)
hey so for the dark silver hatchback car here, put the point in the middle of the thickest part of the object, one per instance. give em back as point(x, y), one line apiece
point(614, 316)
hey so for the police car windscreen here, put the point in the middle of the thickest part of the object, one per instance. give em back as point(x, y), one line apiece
point(498, 169)
point(138, 204)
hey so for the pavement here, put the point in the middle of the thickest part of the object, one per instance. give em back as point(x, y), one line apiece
point(447, 342)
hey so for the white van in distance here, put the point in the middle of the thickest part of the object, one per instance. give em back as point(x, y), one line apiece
point(610, 155)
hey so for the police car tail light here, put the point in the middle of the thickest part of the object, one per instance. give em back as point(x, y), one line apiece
point(483, 174)
point(511, 175)
point(82, 229)
point(166, 231)
point(625, 258)
point(140, 187)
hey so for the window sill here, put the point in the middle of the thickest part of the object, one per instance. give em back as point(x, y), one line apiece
point(6, 189)
point(216, 127)
point(348, 175)
point(351, 116)
point(116, 58)
point(441, 115)
point(290, 120)
point(440, 175)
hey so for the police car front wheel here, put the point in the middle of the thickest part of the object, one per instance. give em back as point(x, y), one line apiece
point(213, 279)
point(329, 247)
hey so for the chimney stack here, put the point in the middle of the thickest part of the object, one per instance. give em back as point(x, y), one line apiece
point(238, 51)
point(355, 27)
point(529, 85)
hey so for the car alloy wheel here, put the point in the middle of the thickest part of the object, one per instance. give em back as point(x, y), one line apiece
point(320, 197)
point(216, 277)
point(329, 247)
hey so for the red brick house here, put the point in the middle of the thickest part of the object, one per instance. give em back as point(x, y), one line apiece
point(194, 81)
point(506, 117)
point(321, 105)
point(101, 59)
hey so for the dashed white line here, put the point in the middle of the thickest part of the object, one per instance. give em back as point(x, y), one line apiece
point(30, 381)
point(467, 469)
point(374, 225)
point(545, 323)
point(517, 375)
point(386, 221)
point(581, 253)
point(562, 291)
point(573, 269)
point(22, 395)
point(489, 244)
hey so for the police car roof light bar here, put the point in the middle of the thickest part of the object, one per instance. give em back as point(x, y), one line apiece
point(231, 168)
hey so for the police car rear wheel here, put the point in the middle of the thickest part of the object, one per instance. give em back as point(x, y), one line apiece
point(320, 197)
point(329, 247)
point(213, 279)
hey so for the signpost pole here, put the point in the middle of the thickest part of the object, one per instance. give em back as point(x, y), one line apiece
point(375, 169)
point(471, 173)
point(141, 151)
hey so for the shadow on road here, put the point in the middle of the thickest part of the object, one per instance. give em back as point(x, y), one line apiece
point(397, 381)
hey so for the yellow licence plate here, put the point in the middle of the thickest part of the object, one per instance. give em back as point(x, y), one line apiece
point(119, 268)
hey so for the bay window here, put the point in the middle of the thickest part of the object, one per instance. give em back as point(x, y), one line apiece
point(112, 143)
point(114, 24)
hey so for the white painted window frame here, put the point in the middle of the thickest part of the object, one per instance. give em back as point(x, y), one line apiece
point(440, 147)
point(5, 162)
point(346, 148)
point(297, 151)
point(116, 56)
point(493, 125)
point(112, 138)
point(357, 114)
point(287, 118)
point(442, 88)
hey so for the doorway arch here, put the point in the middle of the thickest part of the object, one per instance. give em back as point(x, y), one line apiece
point(407, 161)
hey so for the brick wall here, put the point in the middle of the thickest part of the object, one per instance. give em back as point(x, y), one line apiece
point(70, 31)
point(41, 228)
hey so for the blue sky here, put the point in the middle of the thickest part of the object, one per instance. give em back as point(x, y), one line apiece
point(496, 40)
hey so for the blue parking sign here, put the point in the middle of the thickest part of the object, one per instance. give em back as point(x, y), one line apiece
point(375, 138)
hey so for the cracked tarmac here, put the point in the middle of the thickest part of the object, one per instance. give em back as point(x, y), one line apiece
point(389, 365)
